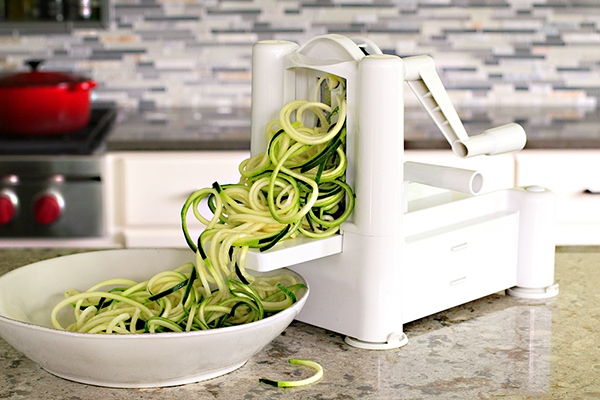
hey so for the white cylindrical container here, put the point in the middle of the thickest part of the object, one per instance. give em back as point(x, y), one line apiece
point(271, 82)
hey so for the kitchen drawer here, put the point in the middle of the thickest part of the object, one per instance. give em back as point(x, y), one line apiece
point(498, 171)
point(445, 268)
point(574, 177)
point(153, 187)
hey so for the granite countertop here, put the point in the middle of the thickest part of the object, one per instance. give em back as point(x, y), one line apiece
point(494, 347)
point(229, 129)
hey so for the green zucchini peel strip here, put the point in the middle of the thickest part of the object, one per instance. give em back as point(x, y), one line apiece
point(315, 378)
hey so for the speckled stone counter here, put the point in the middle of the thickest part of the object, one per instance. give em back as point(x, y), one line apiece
point(495, 347)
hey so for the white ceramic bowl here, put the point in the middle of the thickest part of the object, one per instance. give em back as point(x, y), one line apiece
point(28, 294)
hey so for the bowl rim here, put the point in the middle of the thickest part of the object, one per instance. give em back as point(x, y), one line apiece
point(149, 336)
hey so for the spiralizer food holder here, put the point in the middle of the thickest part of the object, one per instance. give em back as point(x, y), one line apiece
point(420, 239)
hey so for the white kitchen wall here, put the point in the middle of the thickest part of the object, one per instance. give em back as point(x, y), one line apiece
point(196, 53)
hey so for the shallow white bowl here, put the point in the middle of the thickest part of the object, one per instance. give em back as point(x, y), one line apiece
point(28, 294)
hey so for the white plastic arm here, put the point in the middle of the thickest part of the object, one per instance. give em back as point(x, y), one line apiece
point(456, 179)
point(422, 78)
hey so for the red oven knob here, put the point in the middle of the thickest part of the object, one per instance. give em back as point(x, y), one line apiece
point(8, 206)
point(47, 208)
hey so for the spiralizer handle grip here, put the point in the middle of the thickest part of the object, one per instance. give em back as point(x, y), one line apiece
point(424, 81)
point(502, 139)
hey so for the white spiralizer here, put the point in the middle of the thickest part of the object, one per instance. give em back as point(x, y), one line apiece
point(420, 239)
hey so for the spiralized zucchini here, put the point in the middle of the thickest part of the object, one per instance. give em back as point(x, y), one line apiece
point(297, 186)
point(172, 302)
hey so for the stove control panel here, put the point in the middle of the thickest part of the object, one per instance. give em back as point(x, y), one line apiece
point(51, 197)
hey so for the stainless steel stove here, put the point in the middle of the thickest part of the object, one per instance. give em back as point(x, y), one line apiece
point(53, 187)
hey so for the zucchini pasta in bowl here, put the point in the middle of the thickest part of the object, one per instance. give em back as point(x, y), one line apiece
point(100, 339)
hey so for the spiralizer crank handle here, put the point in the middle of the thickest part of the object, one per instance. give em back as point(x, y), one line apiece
point(422, 78)
point(502, 139)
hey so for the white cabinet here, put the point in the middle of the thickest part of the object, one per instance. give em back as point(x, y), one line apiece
point(574, 176)
point(150, 188)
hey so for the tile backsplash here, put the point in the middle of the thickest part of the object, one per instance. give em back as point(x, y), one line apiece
point(197, 53)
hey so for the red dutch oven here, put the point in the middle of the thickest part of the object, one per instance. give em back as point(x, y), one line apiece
point(44, 103)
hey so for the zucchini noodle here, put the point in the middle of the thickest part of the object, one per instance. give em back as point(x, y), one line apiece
point(312, 379)
point(296, 187)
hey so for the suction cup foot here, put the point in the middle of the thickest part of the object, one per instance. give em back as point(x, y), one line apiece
point(395, 340)
point(533, 293)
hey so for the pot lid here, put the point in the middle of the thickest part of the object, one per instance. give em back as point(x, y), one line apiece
point(38, 78)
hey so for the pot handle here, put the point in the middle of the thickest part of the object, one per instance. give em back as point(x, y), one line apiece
point(82, 85)
point(34, 64)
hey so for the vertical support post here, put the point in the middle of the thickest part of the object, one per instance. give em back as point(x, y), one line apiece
point(378, 159)
point(271, 82)
point(535, 264)
point(379, 148)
